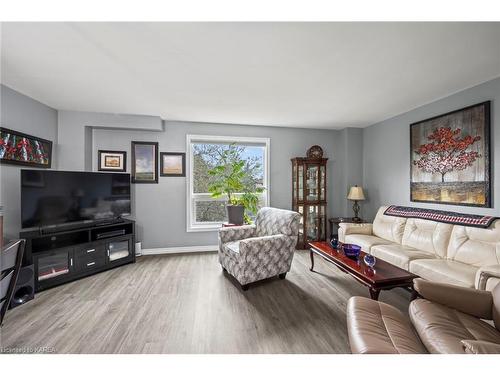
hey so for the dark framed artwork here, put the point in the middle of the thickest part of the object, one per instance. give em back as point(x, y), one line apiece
point(173, 164)
point(112, 161)
point(144, 162)
point(450, 158)
point(24, 149)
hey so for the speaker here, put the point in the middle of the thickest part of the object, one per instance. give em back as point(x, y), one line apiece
point(24, 290)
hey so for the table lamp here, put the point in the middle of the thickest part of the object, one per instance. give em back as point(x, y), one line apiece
point(356, 194)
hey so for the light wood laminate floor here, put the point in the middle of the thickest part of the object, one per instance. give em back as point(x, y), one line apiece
point(185, 304)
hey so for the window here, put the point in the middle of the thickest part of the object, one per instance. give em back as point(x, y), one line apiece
point(205, 213)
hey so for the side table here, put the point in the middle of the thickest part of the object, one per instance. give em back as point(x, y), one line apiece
point(224, 225)
point(335, 221)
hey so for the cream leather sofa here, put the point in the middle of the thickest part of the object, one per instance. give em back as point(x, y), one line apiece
point(447, 319)
point(453, 254)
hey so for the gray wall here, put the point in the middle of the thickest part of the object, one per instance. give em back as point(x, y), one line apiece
point(75, 134)
point(160, 209)
point(376, 157)
point(352, 140)
point(21, 113)
point(386, 149)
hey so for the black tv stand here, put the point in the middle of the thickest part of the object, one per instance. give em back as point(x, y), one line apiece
point(72, 253)
point(80, 225)
point(108, 222)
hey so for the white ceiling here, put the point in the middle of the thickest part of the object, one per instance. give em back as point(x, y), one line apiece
point(318, 75)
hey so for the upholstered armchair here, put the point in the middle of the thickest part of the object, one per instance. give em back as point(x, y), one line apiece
point(255, 252)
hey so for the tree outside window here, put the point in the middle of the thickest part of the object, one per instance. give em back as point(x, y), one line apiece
point(207, 155)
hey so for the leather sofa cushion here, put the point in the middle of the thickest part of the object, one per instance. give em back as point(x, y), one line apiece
point(480, 347)
point(475, 246)
point(496, 306)
point(445, 271)
point(376, 327)
point(366, 241)
point(442, 329)
point(427, 235)
point(399, 255)
point(492, 283)
point(487, 277)
point(390, 228)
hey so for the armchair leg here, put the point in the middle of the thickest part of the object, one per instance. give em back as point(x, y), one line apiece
point(282, 275)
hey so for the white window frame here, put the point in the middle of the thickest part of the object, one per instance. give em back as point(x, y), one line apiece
point(192, 226)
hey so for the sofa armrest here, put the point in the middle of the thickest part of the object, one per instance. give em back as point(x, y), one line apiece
point(229, 234)
point(485, 273)
point(480, 347)
point(478, 303)
point(353, 228)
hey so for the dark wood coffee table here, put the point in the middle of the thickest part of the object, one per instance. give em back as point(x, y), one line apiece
point(383, 276)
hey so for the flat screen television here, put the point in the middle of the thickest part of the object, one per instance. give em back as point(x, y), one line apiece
point(50, 198)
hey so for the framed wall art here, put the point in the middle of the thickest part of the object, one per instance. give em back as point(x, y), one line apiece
point(172, 164)
point(450, 158)
point(24, 149)
point(144, 162)
point(112, 161)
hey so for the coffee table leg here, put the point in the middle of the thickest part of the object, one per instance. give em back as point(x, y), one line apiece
point(311, 253)
point(374, 293)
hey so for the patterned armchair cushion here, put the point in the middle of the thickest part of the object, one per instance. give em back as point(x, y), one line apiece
point(231, 261)
point(233, 246)
point(266, 256)
point(230, 234)
point(267, 248)
point(271, 221)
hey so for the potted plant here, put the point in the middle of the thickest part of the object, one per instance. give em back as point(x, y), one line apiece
point(230, 178)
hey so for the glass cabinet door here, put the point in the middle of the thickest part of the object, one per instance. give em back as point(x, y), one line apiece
point(53, 265)
point(322, 183)
point(301, 182)
point(312, 227)
point(118, 250)
point(315, 223)
point(312, 181)
point(322, 223)
point(301, 225)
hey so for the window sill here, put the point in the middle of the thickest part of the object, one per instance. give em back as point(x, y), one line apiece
point(205, 228)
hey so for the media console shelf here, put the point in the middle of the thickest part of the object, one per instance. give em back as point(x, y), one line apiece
point(65, 256)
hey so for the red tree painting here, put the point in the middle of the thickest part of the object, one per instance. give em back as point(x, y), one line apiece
point(446, 152)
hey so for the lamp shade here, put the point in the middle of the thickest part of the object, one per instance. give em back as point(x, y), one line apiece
point(356, 193)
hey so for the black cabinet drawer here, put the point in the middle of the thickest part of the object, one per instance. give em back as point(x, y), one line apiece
point(90, 257)
point(84, 263)
point(91, 250)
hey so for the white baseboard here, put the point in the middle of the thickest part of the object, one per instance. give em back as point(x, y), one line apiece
point(180, 250)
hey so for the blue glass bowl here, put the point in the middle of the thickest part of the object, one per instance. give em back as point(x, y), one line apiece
point(351, 250)
point(369, 260)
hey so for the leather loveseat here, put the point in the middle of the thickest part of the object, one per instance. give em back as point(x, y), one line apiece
point(446, 253)
point(447, 319)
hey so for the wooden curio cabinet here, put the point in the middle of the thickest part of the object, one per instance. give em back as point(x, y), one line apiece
point(309, 195)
